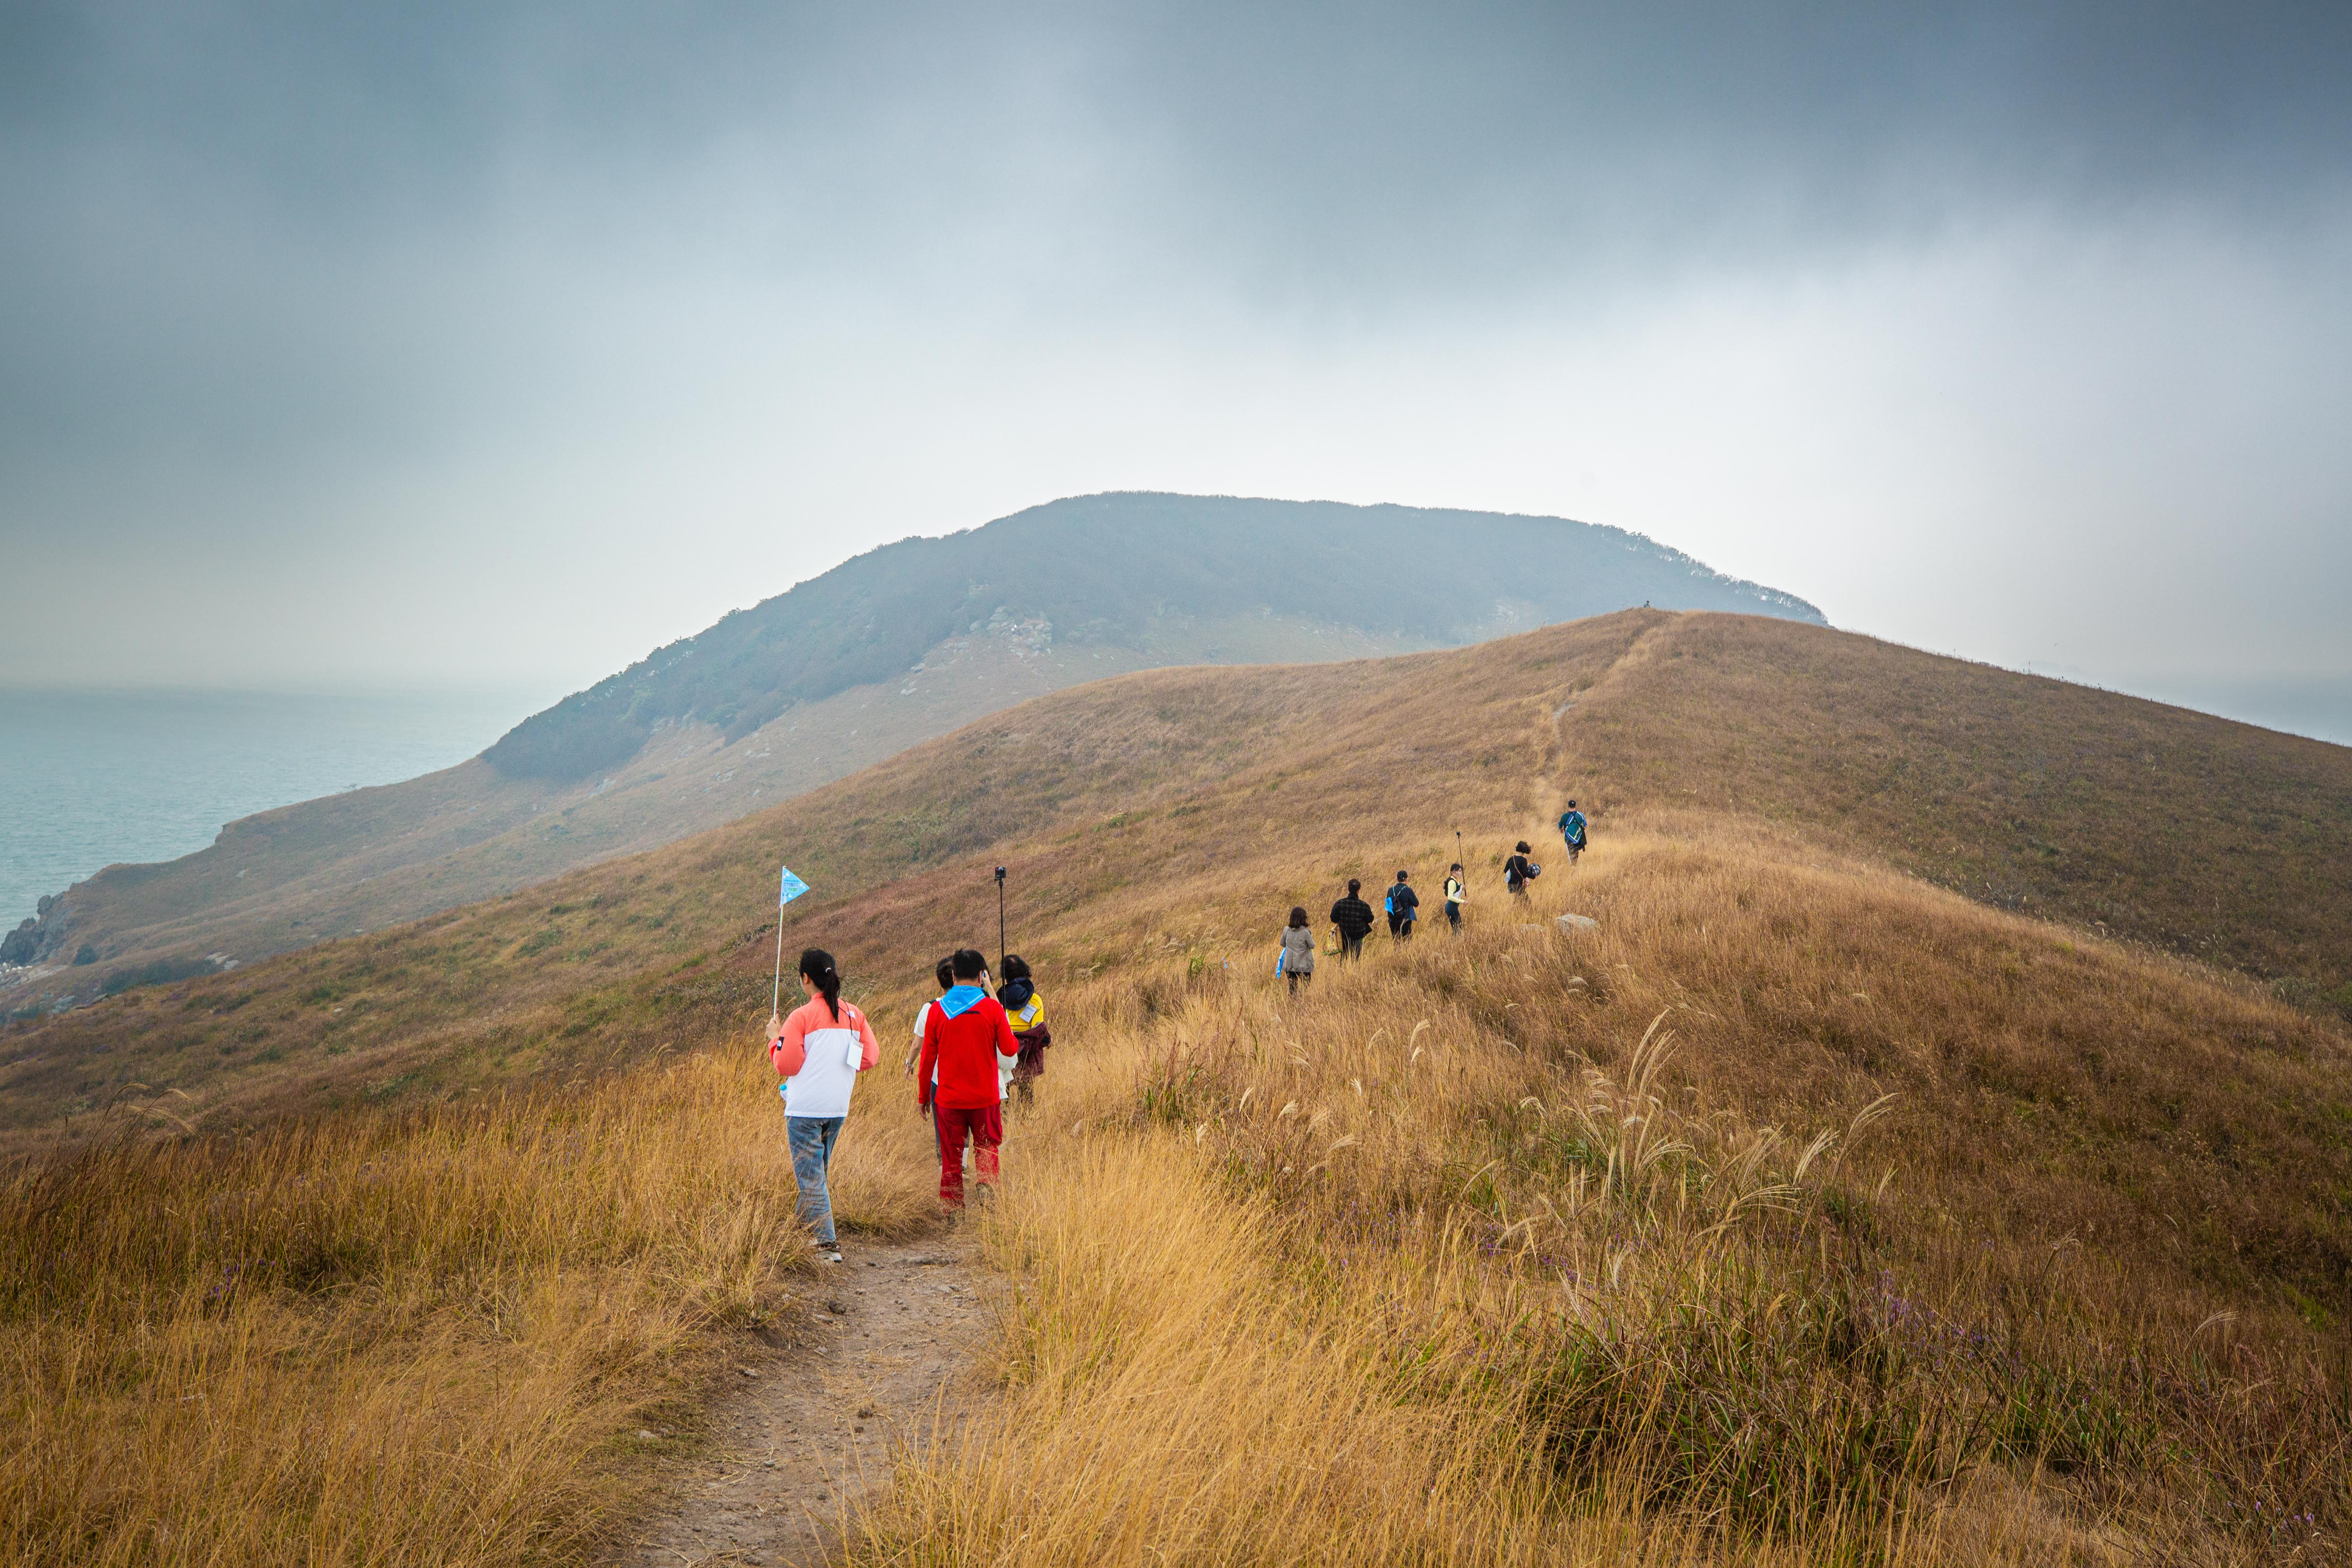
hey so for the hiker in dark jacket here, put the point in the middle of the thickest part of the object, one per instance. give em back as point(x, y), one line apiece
point(1354, 918)
point(1518, 870)
point(1401, 903)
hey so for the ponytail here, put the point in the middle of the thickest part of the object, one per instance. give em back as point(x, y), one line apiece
point(817, 965)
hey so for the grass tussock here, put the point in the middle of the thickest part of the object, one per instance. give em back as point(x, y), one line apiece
point(386, 1339)
point(1458, 1257)
point(1796, 1211)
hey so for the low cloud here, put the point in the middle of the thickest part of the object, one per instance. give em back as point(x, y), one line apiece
point(439, 343)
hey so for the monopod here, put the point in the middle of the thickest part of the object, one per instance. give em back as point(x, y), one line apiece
point(1000, 921)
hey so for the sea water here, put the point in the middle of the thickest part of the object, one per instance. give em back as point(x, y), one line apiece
point(89, 779)
point(2318, 707)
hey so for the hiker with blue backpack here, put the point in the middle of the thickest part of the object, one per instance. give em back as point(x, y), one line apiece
point(1571, 831)
point(1401, 904)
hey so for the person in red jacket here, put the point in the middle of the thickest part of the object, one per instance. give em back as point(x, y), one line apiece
point(965, 1041)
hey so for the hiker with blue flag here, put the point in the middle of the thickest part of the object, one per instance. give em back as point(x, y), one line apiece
point(1571, 831)
point(819, 1051)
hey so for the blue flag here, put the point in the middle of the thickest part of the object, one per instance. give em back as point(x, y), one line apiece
point(793, 889)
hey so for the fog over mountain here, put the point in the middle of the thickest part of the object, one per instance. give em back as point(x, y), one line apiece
point(438, 342)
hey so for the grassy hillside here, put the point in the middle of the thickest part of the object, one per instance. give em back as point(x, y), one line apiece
point(1637, 713)
point(893, 648)
point(1102, 570)
point(2208, 838)
point(364, 860)
point(1801, 1210)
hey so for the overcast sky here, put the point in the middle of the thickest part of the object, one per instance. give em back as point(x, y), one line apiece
point(499, 343)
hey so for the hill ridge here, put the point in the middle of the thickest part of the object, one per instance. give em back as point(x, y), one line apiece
point(1194, 549)
point(939, 631)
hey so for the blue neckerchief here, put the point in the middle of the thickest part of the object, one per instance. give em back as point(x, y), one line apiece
point(960, 999)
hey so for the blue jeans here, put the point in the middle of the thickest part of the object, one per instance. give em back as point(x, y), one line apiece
point(811, 1138)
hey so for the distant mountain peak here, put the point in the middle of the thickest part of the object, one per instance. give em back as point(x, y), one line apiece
point(1120, 569)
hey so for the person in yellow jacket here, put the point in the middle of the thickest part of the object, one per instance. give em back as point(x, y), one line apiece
point(1025, 1011)
point(1454, 894)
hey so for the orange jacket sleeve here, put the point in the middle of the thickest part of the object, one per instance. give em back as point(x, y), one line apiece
point(872, 1055)
point(787, 1052)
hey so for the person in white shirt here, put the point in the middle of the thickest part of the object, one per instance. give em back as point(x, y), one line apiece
point(945, 975)
point(820, 1050)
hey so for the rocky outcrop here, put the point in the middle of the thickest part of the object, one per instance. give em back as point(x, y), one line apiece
point(38, 938)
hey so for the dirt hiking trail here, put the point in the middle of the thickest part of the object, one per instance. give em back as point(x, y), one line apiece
point(824, 1404)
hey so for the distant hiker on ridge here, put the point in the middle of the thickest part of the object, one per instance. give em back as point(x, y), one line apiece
point(1297, 961)
point(1401, 903)
point(1518, 871)
point(1025, 1011)
point(1354, 918)
point(1571, 831)
point(965, 1041)
point(820, 1050)
point(1454, 891)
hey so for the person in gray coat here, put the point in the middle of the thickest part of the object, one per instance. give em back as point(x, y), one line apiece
point(1297, 961)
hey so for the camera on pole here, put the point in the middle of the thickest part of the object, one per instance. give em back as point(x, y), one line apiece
point(1000, 919)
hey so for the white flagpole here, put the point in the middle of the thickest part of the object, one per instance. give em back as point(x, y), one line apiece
point(776, 994)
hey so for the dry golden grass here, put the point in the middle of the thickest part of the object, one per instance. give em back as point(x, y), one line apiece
point(610, 964)
point(382, 1339)
point(1919, 1231)
point(2204, 836)
point(1393, 1271)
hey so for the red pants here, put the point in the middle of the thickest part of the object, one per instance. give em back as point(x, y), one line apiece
point(986, 1125)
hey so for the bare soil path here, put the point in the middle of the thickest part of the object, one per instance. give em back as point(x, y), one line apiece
point(824, 1407)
